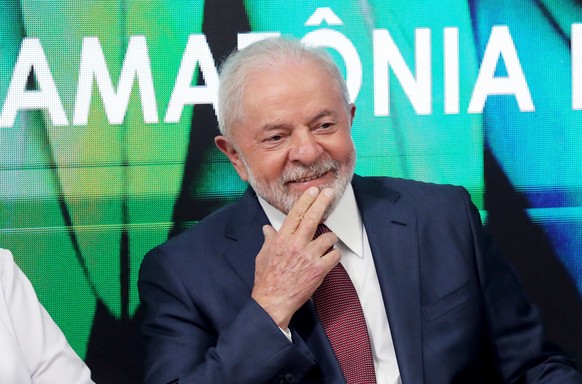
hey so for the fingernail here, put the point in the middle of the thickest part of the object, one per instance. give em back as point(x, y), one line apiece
point(313, 191)
point(328, 192)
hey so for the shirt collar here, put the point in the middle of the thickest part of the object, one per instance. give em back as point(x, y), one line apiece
point(345, 220)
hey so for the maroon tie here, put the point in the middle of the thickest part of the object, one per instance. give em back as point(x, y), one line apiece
point(339, 309)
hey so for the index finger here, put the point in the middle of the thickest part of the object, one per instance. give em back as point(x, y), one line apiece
point(299, 209)
point(314, 214)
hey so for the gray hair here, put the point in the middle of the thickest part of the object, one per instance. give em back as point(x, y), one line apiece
point(266, 54)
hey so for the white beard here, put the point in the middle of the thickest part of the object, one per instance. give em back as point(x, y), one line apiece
point(278, 194)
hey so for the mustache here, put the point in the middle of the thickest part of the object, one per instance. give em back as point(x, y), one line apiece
point(299, 172)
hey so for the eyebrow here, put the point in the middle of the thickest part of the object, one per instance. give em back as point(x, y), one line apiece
point(273, 127)
point(324, 113)
point(317, 116)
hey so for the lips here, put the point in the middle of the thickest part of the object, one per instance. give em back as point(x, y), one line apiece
point(306, 179)
point(305, 174)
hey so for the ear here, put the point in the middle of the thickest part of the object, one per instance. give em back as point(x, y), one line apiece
point(230, 151)
point(352, 113)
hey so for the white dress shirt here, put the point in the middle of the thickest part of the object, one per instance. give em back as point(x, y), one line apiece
point(32, 347)
point(346, 222)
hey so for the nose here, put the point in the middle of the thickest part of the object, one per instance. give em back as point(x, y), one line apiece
point(305, 148)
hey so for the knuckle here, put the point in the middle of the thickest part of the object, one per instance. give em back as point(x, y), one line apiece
point(332, 241)
point(326, 241)
point(314, 274)
point(296, 214)
point(311, 218)
point(335, 256)
point(330, 238)
point(318, 270)
point(295, 249)
point(277, 240)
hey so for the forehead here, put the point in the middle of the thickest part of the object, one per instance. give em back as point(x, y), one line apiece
point(301, 70)
point(290, 85)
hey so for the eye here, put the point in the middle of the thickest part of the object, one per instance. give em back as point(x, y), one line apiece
point(326, 126)
point(274, 138)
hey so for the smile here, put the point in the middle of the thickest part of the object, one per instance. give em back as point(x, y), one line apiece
point(309, 178)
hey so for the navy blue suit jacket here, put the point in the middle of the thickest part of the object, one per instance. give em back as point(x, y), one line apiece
point(456, 311)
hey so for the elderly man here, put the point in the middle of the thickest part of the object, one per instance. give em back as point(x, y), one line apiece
point(320, 276)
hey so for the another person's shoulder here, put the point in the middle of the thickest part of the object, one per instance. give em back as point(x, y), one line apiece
point(6, 256)
point(7, 264)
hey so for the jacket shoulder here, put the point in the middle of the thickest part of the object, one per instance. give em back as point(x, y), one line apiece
point(419, 191)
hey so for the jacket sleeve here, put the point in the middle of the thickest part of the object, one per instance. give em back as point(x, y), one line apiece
point(186, 345)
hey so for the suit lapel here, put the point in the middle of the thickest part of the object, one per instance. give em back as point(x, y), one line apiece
point(391, 228)
point(245, 230)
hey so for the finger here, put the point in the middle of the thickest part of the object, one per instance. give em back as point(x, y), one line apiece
point(324, 243)
point(296, 213)
point(314, 214)
point(330, 260)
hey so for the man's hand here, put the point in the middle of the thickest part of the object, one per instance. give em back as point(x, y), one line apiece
point(290, 265)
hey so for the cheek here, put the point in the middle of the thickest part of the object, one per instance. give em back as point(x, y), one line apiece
point(273, 171)
point(342, 150)
point(268, 168)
